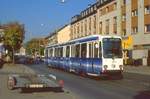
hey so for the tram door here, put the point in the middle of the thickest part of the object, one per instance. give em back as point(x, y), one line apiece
point(94, 60)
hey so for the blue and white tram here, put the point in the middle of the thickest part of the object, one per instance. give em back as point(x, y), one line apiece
point(92, 55)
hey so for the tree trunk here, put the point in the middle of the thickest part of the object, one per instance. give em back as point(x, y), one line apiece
point(13, 56)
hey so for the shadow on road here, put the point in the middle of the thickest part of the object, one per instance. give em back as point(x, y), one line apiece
point(143, 95)
point(32, 90)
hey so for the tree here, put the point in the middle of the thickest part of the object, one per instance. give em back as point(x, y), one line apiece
point(14, 36)
point(35, 46)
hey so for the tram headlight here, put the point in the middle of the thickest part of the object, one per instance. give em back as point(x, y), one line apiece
point(105, 67)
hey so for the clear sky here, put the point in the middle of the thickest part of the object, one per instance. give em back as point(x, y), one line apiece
point(40, 17)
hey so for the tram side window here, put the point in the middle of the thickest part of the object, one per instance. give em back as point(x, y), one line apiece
point(77, 51)
point(96, 48)
point(90, 50)
point(83, 50)
point(50, 52)
point(67, 51)
point(100, 50)
point(56, 52)
point(61, 52)
point(73, 50)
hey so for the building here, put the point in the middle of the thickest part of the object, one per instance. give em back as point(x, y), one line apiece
point(127, 18)
point(59, 36)
point(103, 17)
point(84, 24)
point(63, 34)
point(109, 17)
point(52, 39)
point(22, 51)
point(136, 29)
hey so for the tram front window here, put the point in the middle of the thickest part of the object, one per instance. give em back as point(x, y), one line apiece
point(112, 48)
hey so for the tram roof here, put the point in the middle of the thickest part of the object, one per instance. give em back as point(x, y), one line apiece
point(83, 39)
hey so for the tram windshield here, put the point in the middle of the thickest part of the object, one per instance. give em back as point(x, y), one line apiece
point(112, 48)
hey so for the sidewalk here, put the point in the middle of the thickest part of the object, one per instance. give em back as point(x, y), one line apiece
point(16, 69)
point(145, 70)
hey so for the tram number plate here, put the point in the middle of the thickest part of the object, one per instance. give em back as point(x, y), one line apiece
point(36, 86)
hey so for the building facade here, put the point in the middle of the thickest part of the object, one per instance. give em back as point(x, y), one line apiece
point(63, 34)
point(52, 39)
point(136, 26)
point(127, 18)
point(84, 24)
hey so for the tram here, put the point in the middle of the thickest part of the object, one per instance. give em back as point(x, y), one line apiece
point(93, 55)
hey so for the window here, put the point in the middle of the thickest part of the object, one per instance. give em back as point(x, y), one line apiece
point(134, 30)
point(78, 28)
point(147, 10)
point(107, 9)
point(90, 23)
point(115, 20)
point(50, 53)
point(56, 52)
point(112, 48)
point(124, 2)
point(115, 25)
point(100, 50)
point(60, 52)
point(100, 27)
point(74, 29)
point(90, 50)
point(77, 51)
point(107, 26)
point(85, 26)
point(124, 17)
point(96, 48)
point(100, 12)
point(124, 32)
point(67, 51)
point(81, 27)
point(83, 50)
point(94, 21)
point(134, 13)
point(115, 6)
point(147, 28)
point(91, 9)
point(73, 50)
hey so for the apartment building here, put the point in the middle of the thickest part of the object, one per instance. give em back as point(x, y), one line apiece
point(52, 38)
point(127, 18)
point(136, 27)
point(63, 34)
point(108, 17)
point(103, 17)
point(84, 24)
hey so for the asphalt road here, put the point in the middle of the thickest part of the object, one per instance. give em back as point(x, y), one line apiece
point(19, 69)
point(133, 86)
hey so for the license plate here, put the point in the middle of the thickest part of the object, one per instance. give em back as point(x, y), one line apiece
point(36, 86)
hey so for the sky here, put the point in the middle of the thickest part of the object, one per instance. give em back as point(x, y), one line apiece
point(40, 17)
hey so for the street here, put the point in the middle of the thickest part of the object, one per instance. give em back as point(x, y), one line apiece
point(133, 86)
point(20, 69)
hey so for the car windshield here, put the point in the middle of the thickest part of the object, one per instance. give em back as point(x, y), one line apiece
point(112, 48)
